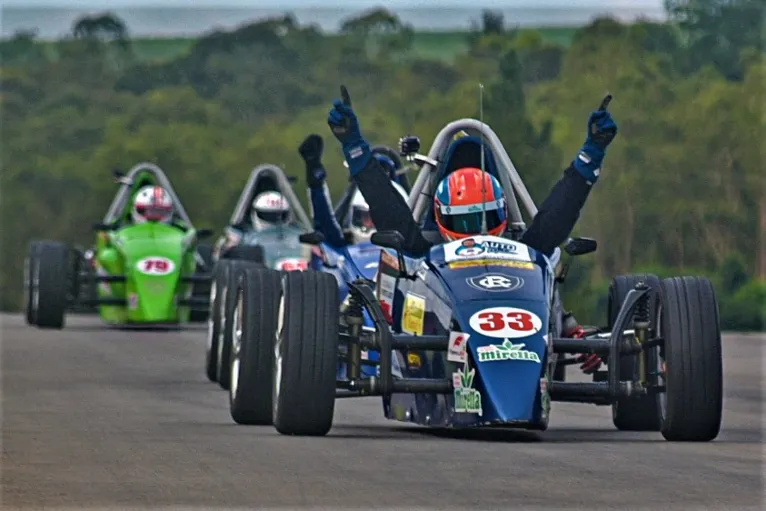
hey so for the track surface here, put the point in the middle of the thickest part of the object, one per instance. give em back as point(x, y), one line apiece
point(107, 418)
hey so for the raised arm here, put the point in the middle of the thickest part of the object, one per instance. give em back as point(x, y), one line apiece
point(388, 209)
point(560, 211)
point(319, 194)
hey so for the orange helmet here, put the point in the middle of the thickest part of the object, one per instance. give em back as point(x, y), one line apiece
point(460, 199)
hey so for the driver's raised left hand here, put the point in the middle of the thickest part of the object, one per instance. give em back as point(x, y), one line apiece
point(345, 126)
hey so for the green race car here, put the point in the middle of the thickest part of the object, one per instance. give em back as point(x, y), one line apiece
point(147, 267)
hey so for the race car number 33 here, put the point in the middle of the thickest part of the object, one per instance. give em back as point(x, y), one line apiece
point(155, 266)
point(505, 322)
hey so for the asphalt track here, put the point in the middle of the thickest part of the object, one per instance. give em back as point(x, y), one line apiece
point(100, 418)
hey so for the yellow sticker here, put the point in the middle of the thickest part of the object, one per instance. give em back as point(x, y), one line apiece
point(413, 360)
point(414, 314)
point(491, 262)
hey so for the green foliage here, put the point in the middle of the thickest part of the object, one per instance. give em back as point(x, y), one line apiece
point(682, 192)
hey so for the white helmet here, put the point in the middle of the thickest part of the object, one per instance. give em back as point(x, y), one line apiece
point(362, 226)
point(152, 204)
point(269, 208)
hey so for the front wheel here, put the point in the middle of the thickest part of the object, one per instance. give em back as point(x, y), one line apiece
point(53, 277)
point(692, 405)
point(305, 355)
point(254, 325)
point(220, 274)
point(31, 282)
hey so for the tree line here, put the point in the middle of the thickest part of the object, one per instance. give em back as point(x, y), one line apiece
point(683, 190)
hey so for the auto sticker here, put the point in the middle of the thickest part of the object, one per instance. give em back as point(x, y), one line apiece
point(495, 282)
point(467, 399)
point(505, 322)
point(414, 314)
point(457, 265)
point(457, 347)
point(485, 247)
point(506, 351)
point(155, 266)
point(291, 264)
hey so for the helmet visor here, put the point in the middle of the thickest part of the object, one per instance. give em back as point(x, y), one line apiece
point(360, 217)
point(467, 219)
point(155, 213)
point(274, 217)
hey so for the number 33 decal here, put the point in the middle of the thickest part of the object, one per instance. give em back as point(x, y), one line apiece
point(505, 322)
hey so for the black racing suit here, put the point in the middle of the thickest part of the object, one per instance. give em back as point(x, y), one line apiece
point(551, 226)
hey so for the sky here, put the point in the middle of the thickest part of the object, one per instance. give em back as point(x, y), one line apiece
point(54, 18)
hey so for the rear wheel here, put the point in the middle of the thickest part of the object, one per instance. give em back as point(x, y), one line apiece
point(52, 284)
point(30, 283)
point(254, 324)
point(692, 405)
point(220, 274)
point(228, 299)
point(636, 413)
point(202, 289)
point(306, 354)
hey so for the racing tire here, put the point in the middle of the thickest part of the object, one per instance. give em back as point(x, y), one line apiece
point(202, 288)
point(252, 253)
point(220, 274)
point(692, 406)
point(52, 284)
point(254, 324)
point(306, 354)
point(223, 357)
point(640, 413)
point(30, 277)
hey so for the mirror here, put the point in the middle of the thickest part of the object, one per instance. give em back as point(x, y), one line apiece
point(580, 246)
point(104, 227)
point(388, 239)
point(311, 238)
point(204, 233)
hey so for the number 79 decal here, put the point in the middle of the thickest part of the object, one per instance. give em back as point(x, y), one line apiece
point(506, 322)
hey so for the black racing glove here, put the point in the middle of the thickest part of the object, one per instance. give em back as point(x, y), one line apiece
point(311, 152)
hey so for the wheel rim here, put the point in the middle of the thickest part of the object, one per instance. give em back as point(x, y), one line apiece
point(278, 353)
point(236, 345)
point(210, 320)
point(222, 327)
point(660, 368)
point(35, 286)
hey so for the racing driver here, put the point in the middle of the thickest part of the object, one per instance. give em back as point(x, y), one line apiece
point(550, 227)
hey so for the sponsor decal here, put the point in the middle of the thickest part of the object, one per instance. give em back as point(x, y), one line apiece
point(485, 247)
point(155, 265)
point(291, 265)
point(371, 265)
point(491, 262)
point(414, 314)
point(495, 282)
point(505, 322)
point(467, 399)
point(389, 260)
point(414, 361)
point(456, 352)
point(506, 351)
point(386, 285)
point(132, 301)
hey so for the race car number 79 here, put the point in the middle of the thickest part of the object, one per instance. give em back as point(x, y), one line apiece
point(505, 322)
point(155, 266)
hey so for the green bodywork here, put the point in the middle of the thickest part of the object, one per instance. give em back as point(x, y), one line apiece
point(153, 257)
point(151, 295)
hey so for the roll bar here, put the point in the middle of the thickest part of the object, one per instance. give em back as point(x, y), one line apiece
point(123, 193)
point(276, 173)
point(421, 195)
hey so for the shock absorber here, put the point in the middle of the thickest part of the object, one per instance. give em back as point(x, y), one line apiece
point(354, 321)
point(641, 328)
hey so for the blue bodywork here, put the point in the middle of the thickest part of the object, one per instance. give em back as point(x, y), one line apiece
point(513, 391)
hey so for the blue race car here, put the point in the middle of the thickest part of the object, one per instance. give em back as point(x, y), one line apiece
point(470, 335)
